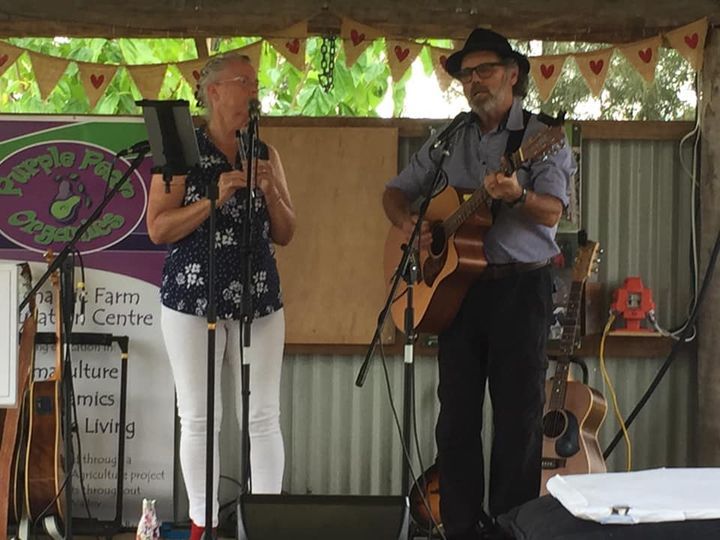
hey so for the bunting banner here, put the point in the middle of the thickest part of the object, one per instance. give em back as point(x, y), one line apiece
point(594, 67)
point(148, 79)
point(191, 71)
point(290, 43)
point(643, 55)
point(253, 52)
point(95, 79)
point(8, 55)
point(293, 49)
point(356, 39)
point(439, 58)
point(401, 55)
point(545, 71)
point(48, 70)
point(689, 41)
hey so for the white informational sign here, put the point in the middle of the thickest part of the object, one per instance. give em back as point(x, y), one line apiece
point(122, 306)
point(8, 334)
point(54, 174)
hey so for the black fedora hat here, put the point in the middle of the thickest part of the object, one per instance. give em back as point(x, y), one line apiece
point(482, 39)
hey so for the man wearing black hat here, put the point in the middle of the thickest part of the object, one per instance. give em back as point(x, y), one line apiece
point(499, 334)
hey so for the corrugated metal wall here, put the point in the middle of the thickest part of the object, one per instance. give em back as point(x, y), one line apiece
point(636, 200)
point(637, 203)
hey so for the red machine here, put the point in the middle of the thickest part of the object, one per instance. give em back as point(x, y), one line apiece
point(632, 302)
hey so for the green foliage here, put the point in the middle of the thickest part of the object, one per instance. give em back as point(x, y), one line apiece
point(356, 91)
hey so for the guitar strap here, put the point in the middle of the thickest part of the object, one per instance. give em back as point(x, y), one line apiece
point(513, 143)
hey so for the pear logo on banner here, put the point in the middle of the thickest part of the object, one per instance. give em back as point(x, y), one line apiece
point(401, 55)
point(8, 55)
point(643, 55)
point(356, 39)
point(546, 71)
point(439, 58)
point(148, 79)
point(95, 79)
point(689, 41)
point(291, 44)
point(48, 71)
point(594, 67)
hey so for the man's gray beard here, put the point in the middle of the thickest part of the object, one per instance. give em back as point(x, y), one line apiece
point(485, 106)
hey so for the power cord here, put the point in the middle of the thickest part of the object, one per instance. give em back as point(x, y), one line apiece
point(608, 383)
point(673, 352)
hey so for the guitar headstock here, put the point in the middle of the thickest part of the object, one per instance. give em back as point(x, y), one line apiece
point(586, 260)
point(49, 257)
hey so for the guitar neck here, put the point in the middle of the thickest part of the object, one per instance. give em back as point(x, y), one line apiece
point(479, 198)
point(568, 344)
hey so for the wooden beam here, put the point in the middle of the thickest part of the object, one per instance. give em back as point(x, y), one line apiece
point(708, 370)
point(615, 22)
point(202, 48)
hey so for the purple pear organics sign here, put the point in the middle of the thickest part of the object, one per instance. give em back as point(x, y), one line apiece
point(48, 190)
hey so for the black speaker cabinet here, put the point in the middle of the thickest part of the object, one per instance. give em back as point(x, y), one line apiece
point(323, 517)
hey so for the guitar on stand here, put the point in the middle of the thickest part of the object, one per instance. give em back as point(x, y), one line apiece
point(573, 411)
point(44, 471)
point(15, 425)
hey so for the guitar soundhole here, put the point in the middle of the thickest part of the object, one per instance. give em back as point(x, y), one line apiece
point(554, 423)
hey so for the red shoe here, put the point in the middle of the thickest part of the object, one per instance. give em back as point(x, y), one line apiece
point(196, 532)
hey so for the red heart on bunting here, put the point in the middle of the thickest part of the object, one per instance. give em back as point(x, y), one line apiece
point(547, 71)
point(645, 55)
point(293, 46)
point(692, 41)
point(356, 37)
point(596, 67)
point(401, 53)
point(3, 59)
point(196, 74)
point(443, 60)
point(97, 80)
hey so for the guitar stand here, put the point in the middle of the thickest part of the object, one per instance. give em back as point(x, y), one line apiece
point(91, 526)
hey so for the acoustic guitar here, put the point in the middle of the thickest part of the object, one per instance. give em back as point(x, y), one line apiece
point(44, 474)
point(573, 411)
point(455, 258)
point(15, 424)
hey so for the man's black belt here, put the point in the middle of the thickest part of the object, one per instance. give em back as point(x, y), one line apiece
point(499, 271)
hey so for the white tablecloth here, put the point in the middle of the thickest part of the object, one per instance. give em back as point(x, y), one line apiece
point(644, 496)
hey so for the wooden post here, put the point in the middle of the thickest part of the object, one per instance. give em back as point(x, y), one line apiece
point(708, 423)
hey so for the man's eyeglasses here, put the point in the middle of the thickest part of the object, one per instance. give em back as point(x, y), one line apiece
point(483, 71)
point(241, 79)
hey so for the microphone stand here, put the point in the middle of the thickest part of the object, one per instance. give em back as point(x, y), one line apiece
point(63, 261)
point(247, 311)
point(211, 315)
point(408, 269)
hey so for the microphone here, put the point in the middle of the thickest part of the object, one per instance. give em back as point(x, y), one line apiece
point(254, 109)
point(142, 147)
point(459, 121)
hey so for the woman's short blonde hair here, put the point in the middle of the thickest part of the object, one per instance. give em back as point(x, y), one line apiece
point(209, 74)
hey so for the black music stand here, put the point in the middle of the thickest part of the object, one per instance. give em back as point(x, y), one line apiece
point(172, 137)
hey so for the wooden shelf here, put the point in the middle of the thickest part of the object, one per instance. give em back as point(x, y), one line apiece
point(621, 345)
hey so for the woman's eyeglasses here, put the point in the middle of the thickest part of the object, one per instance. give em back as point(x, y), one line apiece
point(483, 71)
point(240, 79)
